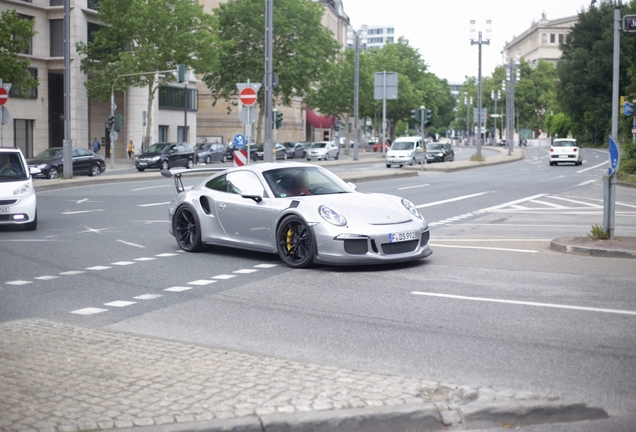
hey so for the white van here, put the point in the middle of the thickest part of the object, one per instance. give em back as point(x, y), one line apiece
point(404, 151)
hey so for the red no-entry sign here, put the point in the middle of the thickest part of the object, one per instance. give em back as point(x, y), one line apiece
point(248, 96)
point(4, 96)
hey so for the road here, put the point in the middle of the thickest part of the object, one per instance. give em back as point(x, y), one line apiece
point(492, 306)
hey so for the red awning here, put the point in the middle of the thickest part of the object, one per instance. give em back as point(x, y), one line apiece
point(318, 121)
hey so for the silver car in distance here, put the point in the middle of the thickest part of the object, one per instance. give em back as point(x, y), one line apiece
point(302, 212)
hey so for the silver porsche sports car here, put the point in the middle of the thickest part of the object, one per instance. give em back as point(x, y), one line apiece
point(302, 212)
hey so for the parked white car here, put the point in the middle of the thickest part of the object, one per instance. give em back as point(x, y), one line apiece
point(565, 150)
point(404, 151)
point(323, 150)
point(18, 205)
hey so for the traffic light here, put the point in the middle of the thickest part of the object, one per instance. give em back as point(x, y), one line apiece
point(415, 115)
point(117, 122)
point(181, 70)
point(428, 117)
point(111, 122)
point(278, 119)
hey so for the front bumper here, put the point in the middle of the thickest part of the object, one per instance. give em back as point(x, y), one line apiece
point(19, 212)
point(144, 163)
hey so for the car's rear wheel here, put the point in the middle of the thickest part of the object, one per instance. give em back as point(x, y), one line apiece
point(326, 156)
point(187, 229)
point(53, 173)
point(141, 169)
point(95, 171)
point(224, 159)
point(389, 165)
point(31, 226)
point(165, 165)
point(337, 155)
point(190, 164)
point(285, 156)
point(412, 162)
point(308, 159)
point(208, 159)
point(294, 242)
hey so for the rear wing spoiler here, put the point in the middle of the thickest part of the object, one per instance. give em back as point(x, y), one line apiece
point(176, 174)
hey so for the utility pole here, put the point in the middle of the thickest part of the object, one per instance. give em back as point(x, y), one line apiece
point(479, 41)
point(67, 150)
point(268, 143)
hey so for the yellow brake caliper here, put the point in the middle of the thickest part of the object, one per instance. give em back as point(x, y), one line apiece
point(289, 241)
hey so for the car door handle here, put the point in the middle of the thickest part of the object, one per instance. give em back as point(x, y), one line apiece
point(222, 206)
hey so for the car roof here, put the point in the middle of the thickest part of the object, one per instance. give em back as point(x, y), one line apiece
point(10, 149)
point(408, 139)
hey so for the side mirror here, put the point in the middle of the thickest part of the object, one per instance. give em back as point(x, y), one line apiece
point(351, 185)
point(34, 171)
point(252, 194)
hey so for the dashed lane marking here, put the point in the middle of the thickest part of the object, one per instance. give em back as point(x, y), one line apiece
point(484, 248)
point(591, 168)
point(166, 255)
point(18, 282)
point(120, 303)
point(98, 268)
point(245, 271)
point(585, 183)
point(72, 272)
point(145, 259)
point(178, 289)
point(46, 277)
point(88, 311)
point(148, 296)
point(81, 211)
point(153, 204)
point(201, 282)
point(451, 200)
point(131, 244)
point(223, 277)
point(122, 263)
point(413, 187)
point(150, 187)
point(265, 266)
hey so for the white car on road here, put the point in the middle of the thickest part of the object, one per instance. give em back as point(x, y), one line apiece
point(323, 150)
point(565, 150)
point(18, 205)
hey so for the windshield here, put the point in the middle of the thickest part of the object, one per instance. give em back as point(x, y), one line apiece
point(403, 146)
point(157, 147)
point(202, 146)
point(50, 153)
point(569, 143)
point(318, 145)
point(289, 144)
point(297, 181)
point(11, 167)
point(434, 147)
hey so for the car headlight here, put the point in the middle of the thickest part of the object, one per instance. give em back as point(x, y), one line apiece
point(156, 158)
point(440, 154)
point(41, 166)
point(411, 208)
point(332, 216)
point(25, 188)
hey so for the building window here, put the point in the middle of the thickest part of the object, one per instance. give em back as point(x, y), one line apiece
point(57, 38)
point(56, 3)
point(29, 49)
point(93, 4)
point(561, 38)
point(23, 136)
point(390, 31)
point(163, 133)
point(172, 98)
point(376, 40)
point(180, 135)
point(389, 39)
point(552, 38)
point(90, 31)
point(16, 90)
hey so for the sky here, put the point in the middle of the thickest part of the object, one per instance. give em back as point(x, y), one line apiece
point(441, 29)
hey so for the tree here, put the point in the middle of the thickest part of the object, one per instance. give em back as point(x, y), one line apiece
point(141, 36)
point(302, 48)
point(15, 37)
point(535, 94)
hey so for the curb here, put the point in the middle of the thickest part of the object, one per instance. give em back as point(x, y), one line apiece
point(446, 167)
point(564, 245)
point(625, 184)
point(402, 418)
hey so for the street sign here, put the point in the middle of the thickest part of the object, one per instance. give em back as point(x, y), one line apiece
point(634, 130)
point(248, 96)
point(239, 141)
point(614, 156)
point(240, 158)
point(628, 109)
point(484, 115)
point(391, 85)
point(495, 115)
point(4, 95)
point(4, 116)
point(629, 23)
point(248, 115)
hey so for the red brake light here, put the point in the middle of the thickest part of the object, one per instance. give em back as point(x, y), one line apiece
point(574, 149)
point(551, 149)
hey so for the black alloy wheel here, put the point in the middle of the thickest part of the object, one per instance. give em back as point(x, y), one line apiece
point(187, 229)
point(95, 171)
point(208, 159)
point(165, 165)
point(53, 173)
point(294, 242)
point(190, 164)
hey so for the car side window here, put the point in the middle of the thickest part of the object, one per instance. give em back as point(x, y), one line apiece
point(75, 153)
point(239, 181)
point(218, 184)
point(84, 152)
point(172, 149)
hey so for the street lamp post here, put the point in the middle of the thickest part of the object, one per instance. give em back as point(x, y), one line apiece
point(495, 97)
point(360, 39)
point(479, 41)
point(512, 77)
point(468, 102)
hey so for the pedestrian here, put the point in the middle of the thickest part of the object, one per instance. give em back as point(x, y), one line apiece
point(130, 149)
point(96, 145)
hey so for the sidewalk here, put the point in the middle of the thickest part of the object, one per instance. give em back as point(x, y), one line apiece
point(620, 247)
point(58, 377)
point(497, 159)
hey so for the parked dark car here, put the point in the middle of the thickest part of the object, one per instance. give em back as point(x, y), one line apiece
point(294, 149)
point(166, 155)
point(51, 165)
point(439, 152)
point(208, 152)
point(256, 152)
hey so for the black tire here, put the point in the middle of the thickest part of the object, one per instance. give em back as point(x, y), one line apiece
point(326, 156)
point(224, 159)
point(443, 158)
point(580, 162)
point(412, 162)
point(165, 165)
point(389, 165)
point(52, 173)
point(190, 164)
point(187, 229)
point(337, 156)
point(208, 159)
point(95, 171)
point(32, 226)
point(285, 156)
point(400, 166)
point(294, 242)
point(308, 159)
point(141, 169)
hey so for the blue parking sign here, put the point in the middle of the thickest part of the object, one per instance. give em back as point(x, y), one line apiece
point(239, 141)
point(614, 156)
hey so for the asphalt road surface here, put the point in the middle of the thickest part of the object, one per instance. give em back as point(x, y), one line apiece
point(492, 306)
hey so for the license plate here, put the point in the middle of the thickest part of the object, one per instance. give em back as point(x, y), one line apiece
point(142, 164)
point(403, 236)
point(563, 156)
point(5, 210)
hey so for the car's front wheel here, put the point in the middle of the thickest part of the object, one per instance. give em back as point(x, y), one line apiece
point(326, 156)
point(285, 156)
point(389, 165)
point(190, 164)
point(165, 165)
point(140, 169)
point(224, 159)
point(31, 226)
point(95, 171)
point(187, 229)
point(53, 173)
point(208, 159)
point(294, 242)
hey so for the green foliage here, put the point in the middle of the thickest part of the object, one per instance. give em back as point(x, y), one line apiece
point(477, 158)
point(598, 233)
point(145, 36)
point(559, 125)
point(628, 166)
point(535, 94)
point(628, 151)
point(15, 37)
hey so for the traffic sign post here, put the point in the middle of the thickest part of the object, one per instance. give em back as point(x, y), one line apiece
point(628, 109)
point(4, 96)
point(248, 95)
point(240, 158)
point(239, 141)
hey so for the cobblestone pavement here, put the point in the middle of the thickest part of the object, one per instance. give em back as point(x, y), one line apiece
point(61, 377)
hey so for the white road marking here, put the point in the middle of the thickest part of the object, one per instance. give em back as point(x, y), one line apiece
point(223, 277)
point(178, 289)
point(265, 266)
point(122, 263)
point(145, 259)
point(518, 207)
point(81, 211)
point(82, 201)
point(46, 277)
point(549, 204)
point(18, 282)
point(150, 187)
point(148, 296)
point(511, 203)
point(493, 240)
point(120, 303)
point(153, 204)
point(576, 202)
point(98, 268)
point(88, 311)
point(201, 282)
point(72, 272)
point(245, 271)
point(585, 183)
point(165, 255)
point(484, 248)
point(131, 244)
point(413, 187)
point(150, 222)
point(591, 168)
point(93, 230)
point(451, 200)
point(26, 240)
point(525, 303)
